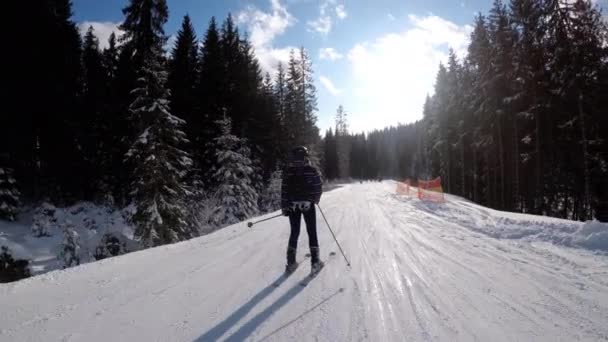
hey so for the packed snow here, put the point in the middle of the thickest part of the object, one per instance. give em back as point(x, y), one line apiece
point(420, 272)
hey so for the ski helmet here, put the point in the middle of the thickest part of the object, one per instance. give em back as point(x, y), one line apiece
point(299, 152)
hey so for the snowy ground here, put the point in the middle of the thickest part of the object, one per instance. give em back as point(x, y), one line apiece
point(90, 222)
point(420, 272)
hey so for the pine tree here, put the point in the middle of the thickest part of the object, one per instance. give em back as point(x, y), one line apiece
point(261, 125)
point(44, 220)
point(271, 198)
point(235, 190)
point(528, 100)
point(301, 102)
point(280, 101)
point(160, 165)
point(56, 84)
point(94, 139)
point(110, 57)
point(143, 28)
point(39, 135)
point(342, 143)
point(117, 133)
point(9, 194)
point(577, 39)
point(330, 154)
point(499, 87)
point(269, 129)
point(183, 71)
point(210, 93)
point(280, 90)
point(69, 253)
point(232, 66)
point(308, 92)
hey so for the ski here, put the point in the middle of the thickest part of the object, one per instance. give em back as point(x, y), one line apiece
point(285, 275)
point(309, 278)
point(314, 273)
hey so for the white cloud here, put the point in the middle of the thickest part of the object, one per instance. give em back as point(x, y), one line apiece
point(102, 30)
point(341, 12)
point(170, 44)
point(329, 54)
point(329, 86)
point(324, 23)
point(394, 73)
point(391, 17)
point(263, 28)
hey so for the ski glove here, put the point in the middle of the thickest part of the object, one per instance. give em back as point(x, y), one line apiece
point(286, 211)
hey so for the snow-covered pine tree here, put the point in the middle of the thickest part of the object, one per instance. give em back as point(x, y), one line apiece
point(160, 163)
point(70, 247)
point(235, 192)
point(271, 198)
point(9, 194)
point(109, 246)
point(44, 220)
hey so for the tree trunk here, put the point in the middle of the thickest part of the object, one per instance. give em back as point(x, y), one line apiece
point(538, 169)
point(587, 174)
point(517, 204)
point(462, 179)
point(501, 160)
point(488, 182)
point(601, 209)
point(475, 173)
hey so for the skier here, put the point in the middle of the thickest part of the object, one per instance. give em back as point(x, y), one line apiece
point(300, 190)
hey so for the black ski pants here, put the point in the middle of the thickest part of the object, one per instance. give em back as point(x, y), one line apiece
point(295, 220)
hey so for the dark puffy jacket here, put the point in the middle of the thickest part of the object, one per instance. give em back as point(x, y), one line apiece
point(301, 182)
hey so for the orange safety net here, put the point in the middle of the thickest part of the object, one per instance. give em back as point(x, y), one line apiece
point(403, 188)
point(431, 190)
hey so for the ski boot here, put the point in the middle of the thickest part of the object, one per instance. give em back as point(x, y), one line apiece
point(290, 268)
point(292, 264)
point(315, 263)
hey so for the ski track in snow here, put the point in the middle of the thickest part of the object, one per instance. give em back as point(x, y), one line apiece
point(420, 272)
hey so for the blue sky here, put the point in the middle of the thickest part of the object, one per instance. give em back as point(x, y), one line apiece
point(376, 57)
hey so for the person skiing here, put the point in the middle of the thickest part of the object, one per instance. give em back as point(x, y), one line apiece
point(301, 189)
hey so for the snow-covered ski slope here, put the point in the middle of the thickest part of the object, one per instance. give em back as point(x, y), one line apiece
point(420, 272)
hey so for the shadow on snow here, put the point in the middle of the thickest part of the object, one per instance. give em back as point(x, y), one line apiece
point(250, 326)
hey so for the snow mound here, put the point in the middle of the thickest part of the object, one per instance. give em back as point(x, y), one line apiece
point(592, 235)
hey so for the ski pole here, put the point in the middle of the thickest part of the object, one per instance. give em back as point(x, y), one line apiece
point(334, 235)
point(250, 224)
